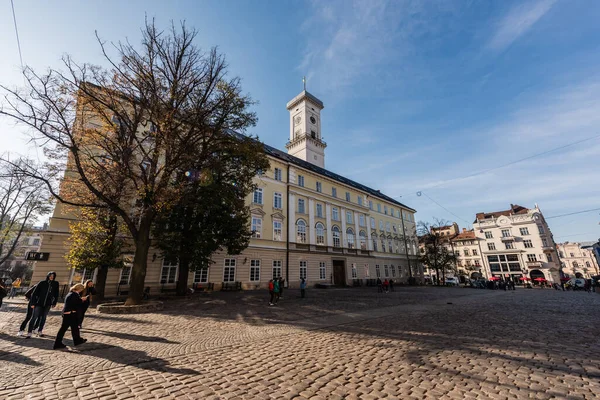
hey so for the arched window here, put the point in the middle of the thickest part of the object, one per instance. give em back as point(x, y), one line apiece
point(350, 238)
point(363, 240)
point(390, 247)
point(382, 243)
point(374, 239)
point(320, 234)
point(301, 231)
point(336, 236)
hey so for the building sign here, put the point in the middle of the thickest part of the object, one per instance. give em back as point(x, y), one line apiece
point(36, 256)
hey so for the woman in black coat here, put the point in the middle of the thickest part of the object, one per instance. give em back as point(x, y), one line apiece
point(88, 292)
point(72, 306)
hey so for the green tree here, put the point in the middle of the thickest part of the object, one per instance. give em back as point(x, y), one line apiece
point(434, 252)
point(212, 213)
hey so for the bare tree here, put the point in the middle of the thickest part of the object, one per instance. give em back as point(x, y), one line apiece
point(22, 201)
point(126, 132)
point(435, 253)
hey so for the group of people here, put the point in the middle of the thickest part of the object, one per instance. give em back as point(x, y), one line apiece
point(385, 286)
point(275, 290)
point(44, 296)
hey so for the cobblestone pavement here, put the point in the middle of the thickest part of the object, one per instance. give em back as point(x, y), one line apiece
point(338, 343)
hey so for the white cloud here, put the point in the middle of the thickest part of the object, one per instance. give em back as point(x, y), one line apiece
point(518, 21)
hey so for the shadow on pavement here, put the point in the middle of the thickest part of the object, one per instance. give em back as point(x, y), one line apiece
point(17, 358)
point(129, 336)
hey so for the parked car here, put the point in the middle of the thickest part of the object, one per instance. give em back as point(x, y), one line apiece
point(451, 281)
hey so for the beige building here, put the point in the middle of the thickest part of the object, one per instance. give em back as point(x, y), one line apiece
point(307, 222)
point(30, 241)
point(577, 262)
point(517, 243)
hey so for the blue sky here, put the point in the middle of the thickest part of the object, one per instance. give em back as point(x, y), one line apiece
point(417, 94)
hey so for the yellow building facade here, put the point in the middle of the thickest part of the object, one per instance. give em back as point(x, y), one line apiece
point(307, 222)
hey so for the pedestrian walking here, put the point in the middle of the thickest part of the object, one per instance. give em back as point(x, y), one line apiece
point(29, 311)
point(281, 281)
point(3, 293)
point(73, 303)
point(271, 292)
point(379, 285)
point(88, 292)
point(303, 288)
point(44, 297)
point(276, 290)
point(15, 286)
point(391, 285)
point(386, 285)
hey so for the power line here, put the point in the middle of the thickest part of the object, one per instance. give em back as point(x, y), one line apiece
point(17, 33)
point(441, 206)
point(573, 213)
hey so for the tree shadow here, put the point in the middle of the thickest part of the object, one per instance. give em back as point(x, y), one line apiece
point(130, 336)
point(109, 317)
point(7, 356)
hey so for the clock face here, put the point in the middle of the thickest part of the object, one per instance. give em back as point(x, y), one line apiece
point(313, 119)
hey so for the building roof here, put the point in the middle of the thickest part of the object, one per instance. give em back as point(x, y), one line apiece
point(466, 235)
point(301, 96)
point(514, 210)
point(272, 151)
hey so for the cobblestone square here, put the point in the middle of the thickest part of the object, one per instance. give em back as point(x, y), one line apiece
point(414, 343)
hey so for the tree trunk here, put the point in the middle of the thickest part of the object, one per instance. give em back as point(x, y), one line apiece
point(182, 280)
point(100, 284)
point(140, 264)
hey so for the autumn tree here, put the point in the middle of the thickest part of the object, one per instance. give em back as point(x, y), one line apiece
point(434, 252)
point(126, 132)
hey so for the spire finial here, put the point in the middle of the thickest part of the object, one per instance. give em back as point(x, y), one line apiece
point(304, 82)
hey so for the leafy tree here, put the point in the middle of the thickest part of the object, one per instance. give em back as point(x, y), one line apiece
point(96, 242)
point(212, 213)
point(125, 133)
point(434, 252)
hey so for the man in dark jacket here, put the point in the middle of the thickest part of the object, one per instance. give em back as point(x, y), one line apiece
point(43, 298)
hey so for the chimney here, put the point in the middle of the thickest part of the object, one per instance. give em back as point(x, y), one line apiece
point(464, 230)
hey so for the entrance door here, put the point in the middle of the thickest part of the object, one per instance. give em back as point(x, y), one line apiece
point(339, 273)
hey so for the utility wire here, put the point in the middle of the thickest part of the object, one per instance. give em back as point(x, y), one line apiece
point(17, 33)
point(441, 206)
point(573, 213)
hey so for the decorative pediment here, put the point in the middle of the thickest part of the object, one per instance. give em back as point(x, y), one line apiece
point(277, 215)
point(257, 211)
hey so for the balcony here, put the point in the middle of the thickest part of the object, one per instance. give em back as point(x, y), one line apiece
point(510, 238)
point(534, 264)
point(548, 249)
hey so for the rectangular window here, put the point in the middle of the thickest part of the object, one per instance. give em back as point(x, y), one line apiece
point(393, 271)
point(380, 225)
point(277, 201)
point(361, 220)
point(370, 205)
point(388, 227)
point(300, 180)
point(491, 246)
point(229, 270)
point(349, 217)
point(36, 242)
point(524, 231)
point(372, 223)
point(354, 271)
point(378, 207)
point(531, 258)
point(347, 196)
point(276, 269)
point(334, 192)
point(301, 206)
point(320, 210)
point(258, 196)
point(277, 230)
point(510, 245)
point(528, 244)
point(457, 253)
point(277, 174)
point(302, 269)
point(474, 252)
point(544, 242)
point(322, 271)
point(254, 270)
point(488, 235)
point(201, 275)
point(360, 200)
point(477, 264)
point(367, 271)
point(466, 251)
point(549, 257)
point(385, 210)
point(168, 273)
point(125, 275)
point(505, 232)
point(386, 270)
point(377, 271)
point(334, 214)
point(319, 187)
point(256, 227)
point(541, 229)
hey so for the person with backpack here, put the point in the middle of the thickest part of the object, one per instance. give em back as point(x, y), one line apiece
point(44, 297)
point(73, 303)
point(28, 294)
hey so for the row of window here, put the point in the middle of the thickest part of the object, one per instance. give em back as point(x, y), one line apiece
point(507, 233)
point(466, 252)
point(510, 245)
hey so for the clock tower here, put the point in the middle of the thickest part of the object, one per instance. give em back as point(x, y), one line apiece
point(306, 141)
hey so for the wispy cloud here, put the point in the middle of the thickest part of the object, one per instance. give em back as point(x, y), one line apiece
point(518, 21)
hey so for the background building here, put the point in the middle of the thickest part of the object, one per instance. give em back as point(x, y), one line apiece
point(17, 264)
point(577, 261)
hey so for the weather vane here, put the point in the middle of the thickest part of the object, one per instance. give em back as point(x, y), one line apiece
point(304, 82)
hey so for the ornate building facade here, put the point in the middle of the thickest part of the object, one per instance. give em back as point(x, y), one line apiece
point(577, 262)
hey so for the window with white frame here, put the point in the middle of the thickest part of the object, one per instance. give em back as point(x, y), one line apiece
point(349, 217)
point(394, 228)
point(350, 238)
point(378, 207)
point(125, 274)
point(201, 275)
point(168, 273)
point(524, 231)
point(301, 231)
point(509, 245)
point(277, 201)
point(363, 240)
point(488, 235)
point(528, 244)
point(372, 223)
point(477, 264)
point(466, 251)
point(336, 236)
point(322, 270)
point(550, 258)
point(277, 231)
point(380, 225)
point(531, 258)
point(347, 196)
point(300, 180)
point(382, 243)
point(388, 227)
point(544, 242)
point(386, 270)
point(370, 205)
point(374, 240)
point(390, 248)
point(276, 269)
point(354, 271)
point(319, 187)
point(258, 196)
point(301, 206)
point(360, 200)
point(541, 229)
point(254, 270)
point(334, 192)
point(385, 210)
point(36, 242)
point(491, 246)
point(474, 252)
point(319, 210)
point(361, 220)
point(393, 271)
point(320, 232)
point(377, 271)
point(277, 174)
point(302, 269)
point(256, 227)
point(229, 270)
point(335, 214)
point(505, 232)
